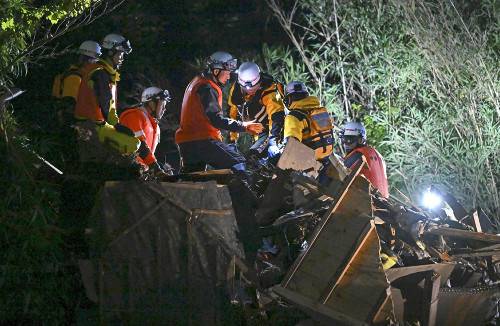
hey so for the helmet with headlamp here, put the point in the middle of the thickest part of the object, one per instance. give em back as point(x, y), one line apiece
point(116, 42)
point(249, 76)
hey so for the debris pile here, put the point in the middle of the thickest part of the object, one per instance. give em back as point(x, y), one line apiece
point(210, 252)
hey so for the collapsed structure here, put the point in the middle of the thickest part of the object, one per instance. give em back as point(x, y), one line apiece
point(202, 250)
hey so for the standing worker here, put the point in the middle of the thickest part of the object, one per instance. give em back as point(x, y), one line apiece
point(199, 138)
point(97, 96)
point(258, 96)
point(308, 121)
point(143, 121)
point(353, 137)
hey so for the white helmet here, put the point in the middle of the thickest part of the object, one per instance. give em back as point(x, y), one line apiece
point(295, 91)
point(354, 128)
point(90, 49)
point(296, 87)
point(154, 94)
point(221, 60)
point(116, 42)
point(248, 75)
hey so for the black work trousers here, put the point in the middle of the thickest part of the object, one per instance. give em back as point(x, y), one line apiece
point(196, 154)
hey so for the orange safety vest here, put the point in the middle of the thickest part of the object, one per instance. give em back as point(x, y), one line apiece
point(87, 104)
point(145, 128)
point(377, 173)
point(194, 123)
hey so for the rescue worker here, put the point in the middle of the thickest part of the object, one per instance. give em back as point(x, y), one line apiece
point(68, 83)
point(199, 138)
point(143, 121)
point(98, 93)
point(353, 138)
point(308, 121)
point(259, 96)
point(65, 92)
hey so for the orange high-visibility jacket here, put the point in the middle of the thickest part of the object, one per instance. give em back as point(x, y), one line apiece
point(194, 123)
point(87, 104)
point(145, 128)
point(377, 173)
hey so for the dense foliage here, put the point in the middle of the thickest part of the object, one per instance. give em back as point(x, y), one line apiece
point(421, 75)
point(39, 278)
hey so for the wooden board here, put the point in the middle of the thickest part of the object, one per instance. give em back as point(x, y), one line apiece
point(297, 156)
point(340, 273)
point(464, 234)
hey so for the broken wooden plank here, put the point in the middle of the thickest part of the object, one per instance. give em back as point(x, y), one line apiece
point(464, 234)
point(317, 310)
point(341, 268)
point(443, 269)
point(474, 253)
point(299, 157)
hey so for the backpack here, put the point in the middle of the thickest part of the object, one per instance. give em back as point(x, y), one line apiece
point(59, 79)
point(319, 125)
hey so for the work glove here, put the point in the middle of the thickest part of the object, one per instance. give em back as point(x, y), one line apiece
point(157, 169)
point(233, 146)
point(273, 151)
point(124, 130)
point(253, 127)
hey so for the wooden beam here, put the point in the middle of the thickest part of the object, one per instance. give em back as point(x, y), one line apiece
point(464, 234)
point(475, 253)
point(317, 310)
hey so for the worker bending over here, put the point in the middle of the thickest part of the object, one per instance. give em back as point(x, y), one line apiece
point(308, 121)
point(258, 96)
point(199, 138)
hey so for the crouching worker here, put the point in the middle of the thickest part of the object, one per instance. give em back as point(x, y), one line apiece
point(259, 96)
point(97, 98)
point(143, 121)
point(353, 137)
point(199, 138)
point(308, 121)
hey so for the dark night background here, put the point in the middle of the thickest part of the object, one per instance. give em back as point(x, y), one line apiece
point(167, 38)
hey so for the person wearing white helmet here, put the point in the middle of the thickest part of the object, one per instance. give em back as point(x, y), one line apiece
point(257, 96)
point(353, 138)
point(100, 88)
point(68, 83)
point(307, 121)
point(65, 91)
point(143, 121)
point(199, 138)
point(97, 96)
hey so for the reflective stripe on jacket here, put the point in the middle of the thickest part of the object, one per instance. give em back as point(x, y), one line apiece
point(87, 104)
point(145, 128)
point(298, 124)
point(194, 123)
point(376, 173)
point(261, 106)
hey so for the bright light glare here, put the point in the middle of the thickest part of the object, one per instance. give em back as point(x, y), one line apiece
point(431, 200)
